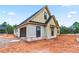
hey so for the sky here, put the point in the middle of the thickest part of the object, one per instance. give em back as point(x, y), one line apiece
point(15, 14)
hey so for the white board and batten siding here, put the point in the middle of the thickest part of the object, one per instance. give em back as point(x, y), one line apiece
point(31, 33)
point(49, 36)
point(58, 33)
point(55, 32)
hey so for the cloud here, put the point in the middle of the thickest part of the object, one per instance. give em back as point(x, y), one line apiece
point(66, 5)
point(72, 14)
point(9, 17)
point(69, 16)
point(11, 13)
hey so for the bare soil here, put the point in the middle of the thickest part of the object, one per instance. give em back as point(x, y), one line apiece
point(7, 36)
point(60, 44)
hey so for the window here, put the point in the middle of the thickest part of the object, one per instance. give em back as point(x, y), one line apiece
point(38, 31)
point(52, 31)
point(45, 15)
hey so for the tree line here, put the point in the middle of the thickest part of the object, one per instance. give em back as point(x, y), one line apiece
point(73, 29)
point(9, 28)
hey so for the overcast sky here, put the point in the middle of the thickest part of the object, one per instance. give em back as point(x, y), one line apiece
point(65, 14)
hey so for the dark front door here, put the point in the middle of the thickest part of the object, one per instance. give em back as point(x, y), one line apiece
point(23, 32)
point(38, 31)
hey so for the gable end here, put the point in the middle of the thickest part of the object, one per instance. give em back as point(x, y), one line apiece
point(46, 7)
point(56, 22)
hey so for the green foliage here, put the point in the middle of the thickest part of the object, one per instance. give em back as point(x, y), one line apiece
point(70, 30)
point(2, 31)
point(9, 28)
point(64, 30)
point(75, 26)
point(4, 24)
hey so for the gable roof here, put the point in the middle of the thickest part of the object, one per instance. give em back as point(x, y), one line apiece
point(46, 7)
point(56, 22)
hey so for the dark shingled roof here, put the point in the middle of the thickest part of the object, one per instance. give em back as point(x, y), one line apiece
point(48, 20)
point(55, 20)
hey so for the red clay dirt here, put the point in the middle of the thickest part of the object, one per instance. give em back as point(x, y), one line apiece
point(7, 36)
point(61, 44)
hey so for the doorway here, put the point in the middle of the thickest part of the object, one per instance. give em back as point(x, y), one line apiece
point(23, 32)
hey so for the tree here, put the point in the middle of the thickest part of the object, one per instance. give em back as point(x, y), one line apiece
point(64, 30)
point(71, 30)
point(4, 24)
point(9, 28)
point(75, 27)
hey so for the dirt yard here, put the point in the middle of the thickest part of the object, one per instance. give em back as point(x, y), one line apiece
point(61, 44)
point(7, 36)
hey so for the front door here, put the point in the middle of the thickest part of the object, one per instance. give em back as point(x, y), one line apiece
point(38, 31)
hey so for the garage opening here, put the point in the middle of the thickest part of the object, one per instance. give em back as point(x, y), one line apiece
point(23, 32)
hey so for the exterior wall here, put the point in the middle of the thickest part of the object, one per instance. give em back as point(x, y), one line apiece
point(49, 32)
point(55, 31)
point(14, 32)
point(58, 33)
point(31, 33)
point(17, 32)
point(43, 32)
point(48, 29)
